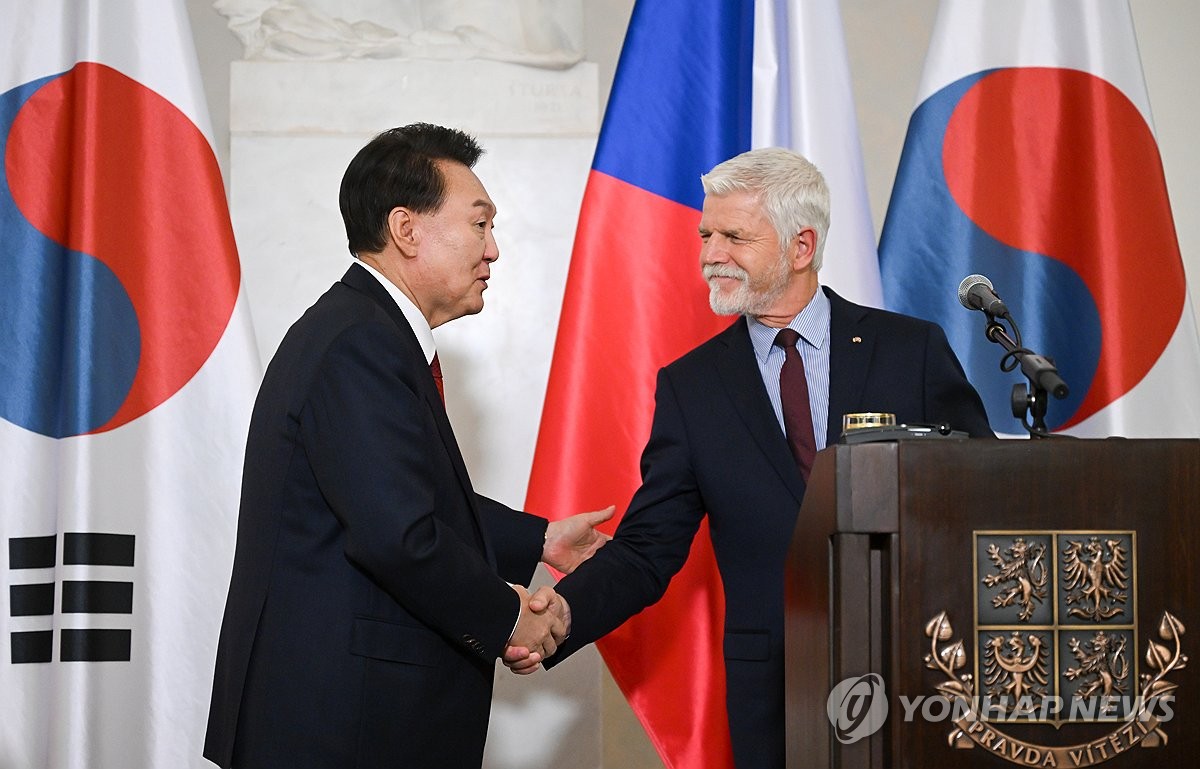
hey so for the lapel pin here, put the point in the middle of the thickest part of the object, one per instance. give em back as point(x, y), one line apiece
point(856, 339)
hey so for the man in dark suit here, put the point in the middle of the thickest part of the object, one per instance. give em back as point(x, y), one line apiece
point(371, 595)
point(724, 442)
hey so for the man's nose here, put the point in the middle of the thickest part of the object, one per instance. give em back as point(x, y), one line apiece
point(711, 252)
point(491, 249)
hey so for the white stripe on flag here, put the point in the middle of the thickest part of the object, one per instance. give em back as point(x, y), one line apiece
point(803, 100)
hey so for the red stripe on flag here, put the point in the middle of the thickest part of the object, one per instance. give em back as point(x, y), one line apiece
point(634, 302)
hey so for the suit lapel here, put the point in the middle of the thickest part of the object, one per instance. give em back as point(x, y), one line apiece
point(850, 348)
point(359, 279)
point(739, 374)
point(460, 468)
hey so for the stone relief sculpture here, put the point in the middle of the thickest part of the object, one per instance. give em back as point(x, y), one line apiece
point(540, 33)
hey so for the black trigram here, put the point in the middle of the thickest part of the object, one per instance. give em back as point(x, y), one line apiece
point(78, 597)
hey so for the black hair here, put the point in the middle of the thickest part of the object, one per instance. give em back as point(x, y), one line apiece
point(398, 168)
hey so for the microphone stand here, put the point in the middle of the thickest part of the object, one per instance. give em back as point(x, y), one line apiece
point(1040, 371)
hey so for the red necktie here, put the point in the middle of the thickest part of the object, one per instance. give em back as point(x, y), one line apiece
point(435, 368)
point(793, 392)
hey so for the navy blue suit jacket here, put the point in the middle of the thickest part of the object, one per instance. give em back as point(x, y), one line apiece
point(368, 601)
point(716, 447)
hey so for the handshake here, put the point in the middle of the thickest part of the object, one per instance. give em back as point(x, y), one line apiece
point(545, 623)
point(545, 620)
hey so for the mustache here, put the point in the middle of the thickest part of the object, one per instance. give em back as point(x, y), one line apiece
point(711, 271)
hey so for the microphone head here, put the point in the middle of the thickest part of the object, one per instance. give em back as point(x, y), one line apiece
point(968, 283)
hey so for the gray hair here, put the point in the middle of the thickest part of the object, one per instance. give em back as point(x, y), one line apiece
point(791, 190)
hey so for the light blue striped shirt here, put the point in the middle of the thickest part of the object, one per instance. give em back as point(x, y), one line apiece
point(812, 324)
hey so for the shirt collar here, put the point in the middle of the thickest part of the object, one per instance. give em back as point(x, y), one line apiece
point(420, 325)
point(812, 324)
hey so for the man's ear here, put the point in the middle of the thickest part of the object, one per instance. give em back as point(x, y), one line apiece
point(803, 249)
point(402, 229)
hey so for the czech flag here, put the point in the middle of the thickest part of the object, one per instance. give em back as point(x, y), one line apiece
point(698, 82)
point(1031, 159)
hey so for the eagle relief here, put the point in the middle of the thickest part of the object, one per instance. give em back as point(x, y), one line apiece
point(1095, 577)
point(1014, 668)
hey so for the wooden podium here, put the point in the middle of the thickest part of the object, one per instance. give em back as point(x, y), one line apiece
point(977, 571)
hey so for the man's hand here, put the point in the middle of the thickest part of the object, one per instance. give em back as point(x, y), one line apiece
point(520, 655)
point(573, 540)
point(547, 600)
point(539, 631)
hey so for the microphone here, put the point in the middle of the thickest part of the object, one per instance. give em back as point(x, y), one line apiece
point(976, 293)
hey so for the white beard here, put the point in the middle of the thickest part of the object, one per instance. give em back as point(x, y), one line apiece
point(746, 299)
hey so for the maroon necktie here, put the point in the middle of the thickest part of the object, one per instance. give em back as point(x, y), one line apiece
point(435, 368)
point(793, 392)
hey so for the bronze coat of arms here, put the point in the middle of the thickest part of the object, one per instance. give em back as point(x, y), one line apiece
point(1056, 639)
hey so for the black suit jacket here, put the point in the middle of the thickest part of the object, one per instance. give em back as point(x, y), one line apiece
point(368, 601)
point(715, 446)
